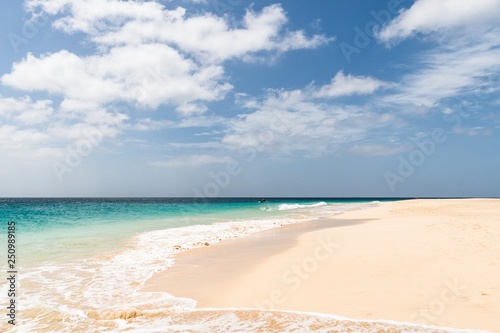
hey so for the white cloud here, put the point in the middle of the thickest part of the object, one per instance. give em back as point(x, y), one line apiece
point(82, 15)
point(343, 85)
point(148, 124)
point(149, 75)
point(14, 139)
point(190, 161)
point(45, 74)
point(453, 70)
point(25, 111)
point(146, 55)
point(426, 16)
point(294, 121)
point(35, 129)
point(206, 36)
point(189, 109)
point(149, 55)
point(464, 54)
point(213, 38)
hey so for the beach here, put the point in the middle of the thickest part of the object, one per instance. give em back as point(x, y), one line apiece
point(85, 261)
point(424, 261)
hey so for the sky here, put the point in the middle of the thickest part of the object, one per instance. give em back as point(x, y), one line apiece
point(225, 98)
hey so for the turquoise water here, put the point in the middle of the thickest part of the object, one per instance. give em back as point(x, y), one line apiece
point(65, 228)
point(82, 263)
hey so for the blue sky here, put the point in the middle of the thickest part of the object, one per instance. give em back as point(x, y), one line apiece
point(231, 98)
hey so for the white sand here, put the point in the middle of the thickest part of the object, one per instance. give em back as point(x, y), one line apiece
point(424, 261)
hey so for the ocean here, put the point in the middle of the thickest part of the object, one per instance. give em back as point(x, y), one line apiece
point(81, 263)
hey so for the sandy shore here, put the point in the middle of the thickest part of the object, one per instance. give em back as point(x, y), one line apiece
point(424, 261)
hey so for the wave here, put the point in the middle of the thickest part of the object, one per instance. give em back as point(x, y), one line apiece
point(296, 206)
point(284, 207)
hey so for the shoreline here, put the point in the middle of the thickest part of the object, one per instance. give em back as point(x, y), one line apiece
point(249, 249)
point(438, 268)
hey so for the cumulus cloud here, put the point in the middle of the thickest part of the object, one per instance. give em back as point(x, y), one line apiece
point(348, 85)
point(207, 37)
point(150, 55)
point(15, 139)
point(212, 39)
point(35, 129)
point(142, 53)
point(149, 75)
point(26, 111)
point(81, 15)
